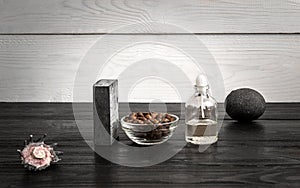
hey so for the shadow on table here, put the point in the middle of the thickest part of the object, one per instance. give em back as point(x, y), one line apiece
point(250, 127)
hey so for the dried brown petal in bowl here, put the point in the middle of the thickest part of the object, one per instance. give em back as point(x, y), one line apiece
point(149, 118)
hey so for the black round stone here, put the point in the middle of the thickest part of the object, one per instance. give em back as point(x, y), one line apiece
point(245, 104)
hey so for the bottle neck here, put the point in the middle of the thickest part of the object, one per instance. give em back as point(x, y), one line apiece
point(202, 90)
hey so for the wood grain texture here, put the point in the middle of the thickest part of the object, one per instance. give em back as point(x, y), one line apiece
point(43, 68)
point(102, 16)
point(261, 154)
point(64, 111)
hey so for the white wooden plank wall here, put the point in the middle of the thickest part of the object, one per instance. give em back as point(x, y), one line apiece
point(102, 16)
point(255, 43)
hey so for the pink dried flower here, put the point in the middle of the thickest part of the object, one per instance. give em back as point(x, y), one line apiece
point(38, 155)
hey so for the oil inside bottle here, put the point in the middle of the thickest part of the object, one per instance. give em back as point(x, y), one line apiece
point(201, 132)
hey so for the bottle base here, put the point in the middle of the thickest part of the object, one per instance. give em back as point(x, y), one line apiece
point(201, 140)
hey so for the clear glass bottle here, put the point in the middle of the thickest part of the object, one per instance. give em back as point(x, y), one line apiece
point(201, 115)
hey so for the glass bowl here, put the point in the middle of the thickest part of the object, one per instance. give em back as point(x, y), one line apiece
point(149, 134)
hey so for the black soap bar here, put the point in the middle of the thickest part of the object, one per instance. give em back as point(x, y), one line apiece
point(106, 115)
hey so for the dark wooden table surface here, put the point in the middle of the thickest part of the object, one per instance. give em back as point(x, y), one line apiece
point(263, 153)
